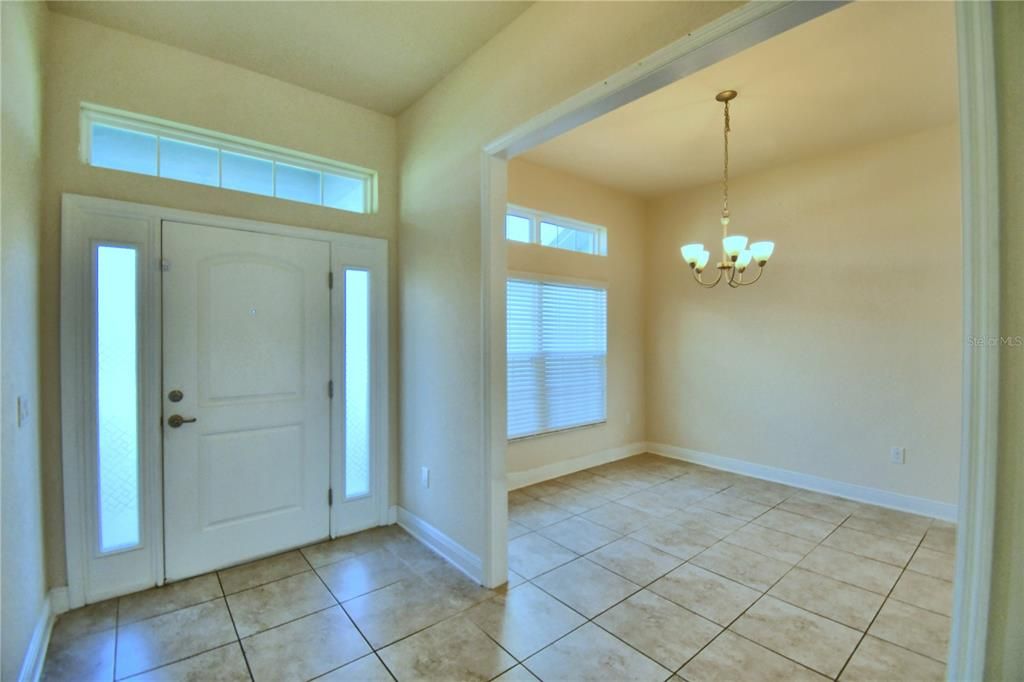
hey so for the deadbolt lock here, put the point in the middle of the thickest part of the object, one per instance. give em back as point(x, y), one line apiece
point(176, 420)
point(175, 396)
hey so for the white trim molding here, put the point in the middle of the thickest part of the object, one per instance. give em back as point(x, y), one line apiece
point(457, 555)
point(521, 479)
point(829, 486)
point(54, 604)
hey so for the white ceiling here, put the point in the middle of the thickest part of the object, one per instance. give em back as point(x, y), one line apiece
point(861, 73)
point(379, 55)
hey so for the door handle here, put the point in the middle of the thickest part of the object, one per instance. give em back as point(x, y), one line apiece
point(176, 420)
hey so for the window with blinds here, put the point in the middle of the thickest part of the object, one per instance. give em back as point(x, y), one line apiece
point(557, 353)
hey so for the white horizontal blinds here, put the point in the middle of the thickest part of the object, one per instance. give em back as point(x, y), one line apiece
point(557, 350)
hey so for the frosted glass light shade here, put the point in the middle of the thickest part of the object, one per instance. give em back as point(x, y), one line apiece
point(691, 252)
point(743, 260)
point(734, 244)
point(762, 251)
point(703, 260)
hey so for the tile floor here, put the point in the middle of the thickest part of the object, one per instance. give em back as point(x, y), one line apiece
point(643, 569)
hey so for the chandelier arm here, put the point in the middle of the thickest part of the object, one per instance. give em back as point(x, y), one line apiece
point(706, 285)
point(760, 269)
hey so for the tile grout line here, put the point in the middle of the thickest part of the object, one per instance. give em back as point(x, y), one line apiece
point(234, 625)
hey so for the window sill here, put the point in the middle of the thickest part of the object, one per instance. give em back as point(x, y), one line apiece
point(555, 432)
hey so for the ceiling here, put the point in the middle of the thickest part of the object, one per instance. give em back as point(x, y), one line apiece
point(861, 73)
point(379, 55)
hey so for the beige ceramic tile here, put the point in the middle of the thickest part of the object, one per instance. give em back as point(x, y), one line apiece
point(762, 492)
point(224, 664)
point(543, 489)
point(168, 598)
point(341, 548)
point(876, 659)
point(742, 565)
point(402, 608)
point(772, 543)
point(913, 628)
point(907, 531)
point(586, 587)
point(731, 658)
point(579, 535)
point(824, 596)
point(804, 527)
point(263, 607)
point(531, 555)
point(732, 505)
point(705, 521)
point(452, 650)
point(590, 654)
point(87, 620)
point(681, 494)
point(802, 636)
point(857, 570)
point(263, 571)
point(364, 573)
point(535, 514)
point(676, 540)
point(935, 564)
point(634, 560)
point(575, 501)
point(514, 579)
point(663, 631)
point(889, 550)
point(619, 518)
point(705, 593)
point(516, 529)
point(830, 512)
point(925, 591)
point(366, 669)
point(516, 674)
point(170, 637)
point(650, 503)
point(304, 648)
point(525, 620)
point(82, 659)
point(940, 539)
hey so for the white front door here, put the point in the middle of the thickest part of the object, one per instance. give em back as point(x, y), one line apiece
point(246, 346)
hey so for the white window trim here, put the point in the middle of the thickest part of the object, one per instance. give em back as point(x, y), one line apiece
point(572, 281)
point(537, 217)
point(96, 113)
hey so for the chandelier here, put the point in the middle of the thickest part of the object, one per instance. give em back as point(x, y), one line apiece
point(736, 256)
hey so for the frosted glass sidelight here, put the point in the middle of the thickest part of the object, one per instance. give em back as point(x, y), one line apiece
point(117, 397)
point(345, 193)
point(189, 162)
point(297, 184)
point(247, 173)
point(122, 149)
point(357, 383)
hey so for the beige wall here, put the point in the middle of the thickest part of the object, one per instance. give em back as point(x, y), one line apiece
point(1005, 659)
point(22, 573)
point(849, 344)
point(95, 64)
point(551, 52)
point(544, 189)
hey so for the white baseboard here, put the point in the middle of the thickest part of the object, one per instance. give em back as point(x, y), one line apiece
point(457, 555)
point(521, 479)
point(851, 491)
point(55, 603)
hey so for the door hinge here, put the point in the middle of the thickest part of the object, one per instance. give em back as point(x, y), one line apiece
point(165, 265)
point(330, 388)
point(330, 280)
point(330, 497)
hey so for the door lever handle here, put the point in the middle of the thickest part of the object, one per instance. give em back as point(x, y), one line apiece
point(176, 420)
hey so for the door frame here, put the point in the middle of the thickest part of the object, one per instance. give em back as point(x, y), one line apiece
point(718, 40)
point(77, 410)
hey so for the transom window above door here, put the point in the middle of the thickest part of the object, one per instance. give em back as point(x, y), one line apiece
point(134, 143)
point(535, 227)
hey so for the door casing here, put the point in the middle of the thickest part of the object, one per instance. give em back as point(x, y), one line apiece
point(89, 220)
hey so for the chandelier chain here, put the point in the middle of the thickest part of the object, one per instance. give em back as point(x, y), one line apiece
point(725, 168)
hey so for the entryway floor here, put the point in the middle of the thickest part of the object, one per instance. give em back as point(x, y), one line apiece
point(645, 568)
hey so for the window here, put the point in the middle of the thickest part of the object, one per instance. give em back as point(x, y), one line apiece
point(557, 350)
point(357, 383)
point(533, 227)
point(140, 144)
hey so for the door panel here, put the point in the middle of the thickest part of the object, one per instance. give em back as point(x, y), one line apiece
point(247, 341)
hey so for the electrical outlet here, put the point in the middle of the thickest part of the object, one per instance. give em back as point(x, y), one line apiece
point(425, 476)
point(897, 455)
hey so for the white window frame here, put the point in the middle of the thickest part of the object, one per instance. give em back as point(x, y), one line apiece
point(569, 281)
point(87, 221)
point(537, 217)
point(150, 125)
